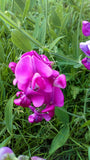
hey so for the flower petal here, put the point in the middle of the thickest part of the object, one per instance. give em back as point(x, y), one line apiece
point(36, 158)
point(85, 47)
point(47, 117)
point(37, 80)
point(24, 71)
point(42, 68)
point(22, 101)
point(12, 65)
point(58, 97)
point(31, 118)
point(48, 85)
point(46, 60)
point(48, 108)
point(31, 53)
point(22, 87)
point(37, 100)
point(60, 81)
point(86, 62)
point(86, 28)
point(35, 118)
point(17, 101)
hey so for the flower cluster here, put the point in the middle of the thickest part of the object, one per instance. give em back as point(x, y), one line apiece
point(85, 46)
point(39, 85)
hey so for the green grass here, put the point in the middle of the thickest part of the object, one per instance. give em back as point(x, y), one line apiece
point(51, 27)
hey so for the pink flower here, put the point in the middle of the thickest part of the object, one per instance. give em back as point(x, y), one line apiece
point(39, 85)
point(85, 47)
point(86, 62)
point(86, 28)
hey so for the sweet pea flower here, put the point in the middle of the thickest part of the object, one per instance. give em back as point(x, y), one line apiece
point(86, 62)
point(86, 28)
point(85, 47)
point(39, 85)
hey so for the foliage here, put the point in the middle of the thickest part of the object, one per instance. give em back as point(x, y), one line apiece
point(53, 28)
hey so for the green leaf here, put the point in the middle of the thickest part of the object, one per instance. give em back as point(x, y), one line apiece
point(27, 4)
point(14, 25)
point(62, 115)
point(55, 41)
point(8, 114)
point(5, 142)
point(54, 18)
point(21, 40)
point(59, 139)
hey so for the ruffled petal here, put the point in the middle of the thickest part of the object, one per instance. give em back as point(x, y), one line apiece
point(24, 71)
point(31, 53)
point(60, 81)
point(42, 68)
point(58, 97)
point(46, 60)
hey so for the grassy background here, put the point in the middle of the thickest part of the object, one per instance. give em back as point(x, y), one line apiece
point(51, 27)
